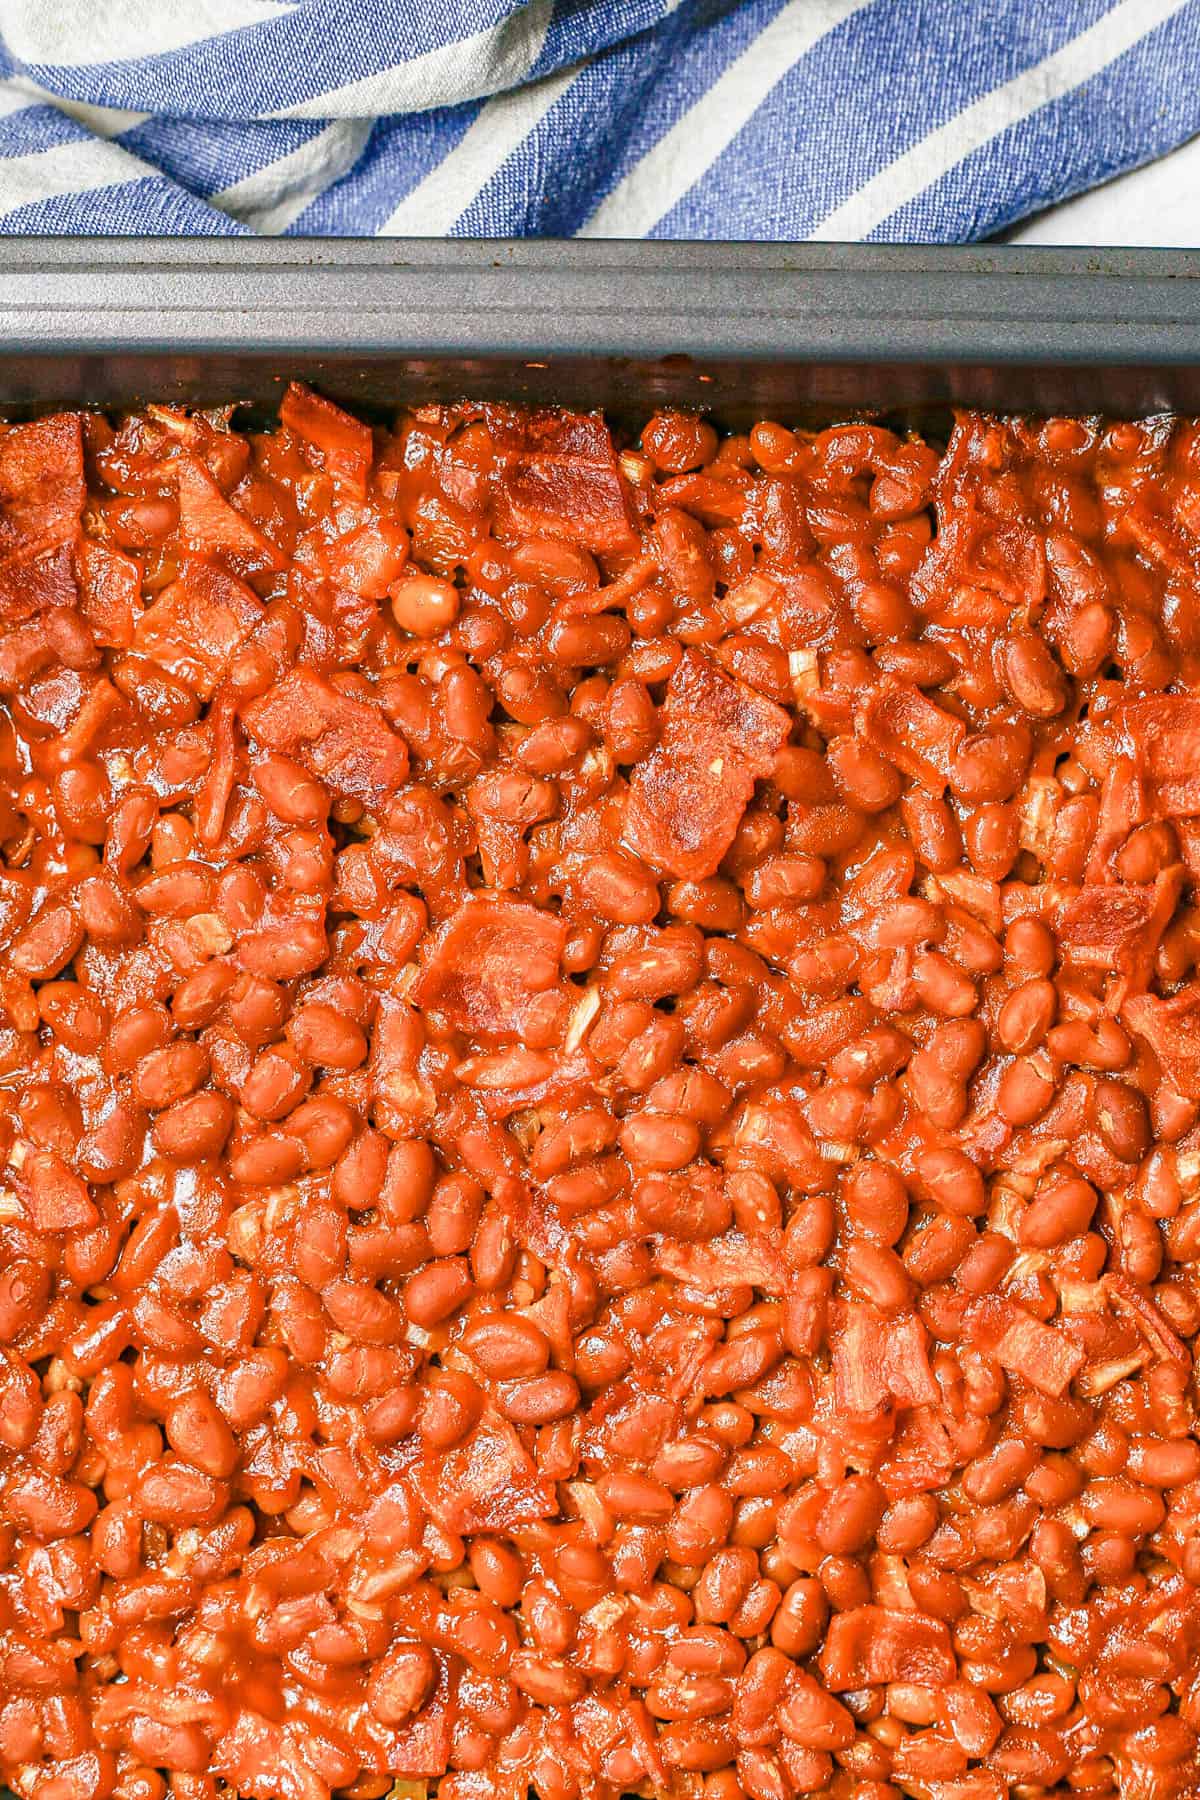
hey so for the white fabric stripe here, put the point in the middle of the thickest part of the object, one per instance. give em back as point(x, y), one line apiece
point(679, 159)
point(487, 63)
point(1068, 68)
point(75, 168)
point(14, 99)
point(104, 121)
point(46, 31)
point(270, 199)
point(502, 126)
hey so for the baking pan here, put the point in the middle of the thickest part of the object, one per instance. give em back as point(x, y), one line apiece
point(797, 332)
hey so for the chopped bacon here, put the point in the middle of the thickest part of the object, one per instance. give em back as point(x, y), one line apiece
point(1122, 807)
point(344, 742)
point(333, 440)
point(687, 798)
point(265, 1760)
point(212, 527)
point(1043, 1355)
point(735, 1259)
point(485, 1483)
point(1148, 1319)
point(197, 624)
point(110, 593)
point(921, 1457)
point(919, 736)
point(1161, 732)
point(420, 1748)
point(33, 580)
point(493, 968)
point(1099, 924)
point(557, 476)
point(1172, 1030)
point(880, 1361)
point(1115, 927)
point(870, 1645)
point(1158, 538)
point(42, 489)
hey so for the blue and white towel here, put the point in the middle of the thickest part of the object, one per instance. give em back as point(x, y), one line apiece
point(917, 120)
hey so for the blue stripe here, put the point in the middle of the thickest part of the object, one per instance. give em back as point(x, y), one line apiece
point(130, 207)
point(780, 177)
point(206, 156)
point(582, 28)
point(694, 65)
point(1072, 144)
point(401, 153)
point(37, 128)
point(606, 115)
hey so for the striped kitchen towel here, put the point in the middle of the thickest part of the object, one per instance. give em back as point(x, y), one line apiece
point(916, 120)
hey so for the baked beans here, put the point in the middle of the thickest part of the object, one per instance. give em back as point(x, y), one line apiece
point(601, 1056)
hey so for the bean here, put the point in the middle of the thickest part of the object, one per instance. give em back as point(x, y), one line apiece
point(797, 1626)
point(505, 1345)
point(200, 1436)
point(423, 605)
point(326, 1038)
point(438, 1290)
point(539, 1399)
point(401, 1682)
point(1120, 1116)
point(1027, 1015)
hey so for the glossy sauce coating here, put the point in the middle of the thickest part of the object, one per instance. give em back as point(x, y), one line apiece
point(599, 1072)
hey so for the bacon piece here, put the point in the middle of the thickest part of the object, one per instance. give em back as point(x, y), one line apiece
point(210, 526)
point(1159, 538)
point(110, 585)
point(1148, 1319)
point(42, 489)
point(1122, 807)
point(880, 1361)
point(921, 1456)
point(687, 798)
point(344, 742)
point(421, 1748)
point(557, 476)
point(1161, 733)
point(333, 441)
point(1096, 926)
point(494, 968)
point(265, 1761)
point(1115, 927)
point(735, 1259)
point(869, 1645)
point(486, 1483)
point(197, 624)
point(911, 731)
point(1040, 1354)
point(796, 608)
point(33, 580)
point(1172, 1030)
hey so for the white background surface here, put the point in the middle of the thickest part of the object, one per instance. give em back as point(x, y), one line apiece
point(1157, 205)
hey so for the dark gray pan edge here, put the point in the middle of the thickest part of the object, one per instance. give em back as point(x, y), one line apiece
point(737, 328)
